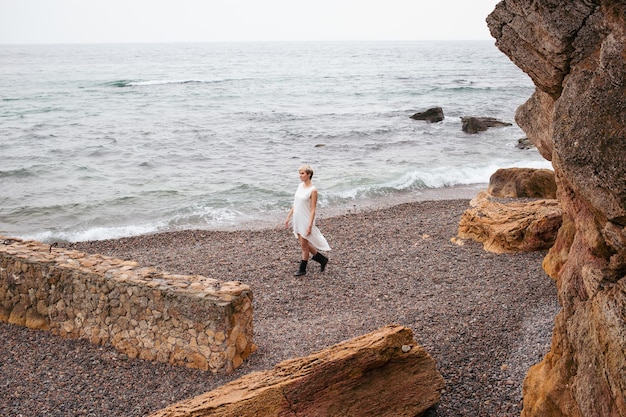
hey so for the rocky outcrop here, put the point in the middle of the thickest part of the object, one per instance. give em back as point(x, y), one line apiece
point(559, 252)
point(505, 219)
point(522, 183)
point(575, 53)
point(381, 374)
point(432, 115)
point(480, 124)
point(512, 226)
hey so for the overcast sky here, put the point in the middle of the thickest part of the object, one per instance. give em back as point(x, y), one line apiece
point(89, 21)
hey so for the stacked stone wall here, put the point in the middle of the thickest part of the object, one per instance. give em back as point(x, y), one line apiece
point(145, 313)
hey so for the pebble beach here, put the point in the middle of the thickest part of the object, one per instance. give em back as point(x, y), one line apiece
point(484, 318)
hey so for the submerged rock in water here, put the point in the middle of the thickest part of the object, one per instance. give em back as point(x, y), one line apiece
point(471, 124)
point(525, 143)
point(432, 115)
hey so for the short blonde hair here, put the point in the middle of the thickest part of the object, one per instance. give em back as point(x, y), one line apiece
point(308, 169)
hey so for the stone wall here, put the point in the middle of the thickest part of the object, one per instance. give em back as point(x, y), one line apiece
point(143, 312)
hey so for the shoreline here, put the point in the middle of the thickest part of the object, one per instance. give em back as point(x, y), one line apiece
point(252, 221)
point(276, 219)
point(484, 318)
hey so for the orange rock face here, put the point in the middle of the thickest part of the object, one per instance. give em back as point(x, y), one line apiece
point(513, 226)
point(522, 183)
point(382, 374)
point(575, 53)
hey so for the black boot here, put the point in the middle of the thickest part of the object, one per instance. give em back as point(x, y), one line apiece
point(302, 270)
point(322, 260)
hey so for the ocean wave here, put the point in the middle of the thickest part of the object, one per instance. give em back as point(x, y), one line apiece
point(165, 82)
point(465, 88)
point(467, 175)
point(148, 83)
point(426, 179)
point(17, 173)
point(196, 216)
point(96, 233)
point(200, 216)
point(120, 83)
point(139, 83)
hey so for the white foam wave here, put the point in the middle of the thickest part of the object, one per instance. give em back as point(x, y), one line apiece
point(446, 176)
point(433, 178)
point(195, 217)
point(162, 82)
point(202, 216)
point(96, 233)
point(175, 81)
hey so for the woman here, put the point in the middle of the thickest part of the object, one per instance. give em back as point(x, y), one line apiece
point(303, 213)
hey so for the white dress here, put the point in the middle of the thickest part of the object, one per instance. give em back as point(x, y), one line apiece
point(302, 215)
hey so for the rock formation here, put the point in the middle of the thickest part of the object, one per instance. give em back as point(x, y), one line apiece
point(575, 53)
point(522, 183)
point(383, 374)
point(432, 115)
point(480, 124)
point(512, 226)
point(525, 143)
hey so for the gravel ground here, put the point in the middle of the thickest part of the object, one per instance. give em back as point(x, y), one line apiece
point(484, 318)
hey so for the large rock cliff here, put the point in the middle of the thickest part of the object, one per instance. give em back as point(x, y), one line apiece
point(575, 53)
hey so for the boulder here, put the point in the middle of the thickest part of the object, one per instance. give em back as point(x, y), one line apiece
point(381, 374)
point(522, 183)
point(480, 124)
point(534, 118)
point(512, 226)
point(525, 143)
point(431, 115)
point(575, 53)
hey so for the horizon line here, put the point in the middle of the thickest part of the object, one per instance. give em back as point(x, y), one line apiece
point(239, 41)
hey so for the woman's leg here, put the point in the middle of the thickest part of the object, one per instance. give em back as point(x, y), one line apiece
point(305, 246)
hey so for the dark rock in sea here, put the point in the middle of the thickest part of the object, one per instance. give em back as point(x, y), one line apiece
point(480, 124)
point(525, 143)
point(432, 115)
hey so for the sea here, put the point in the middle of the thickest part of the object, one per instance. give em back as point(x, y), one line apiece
point(101, 141)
